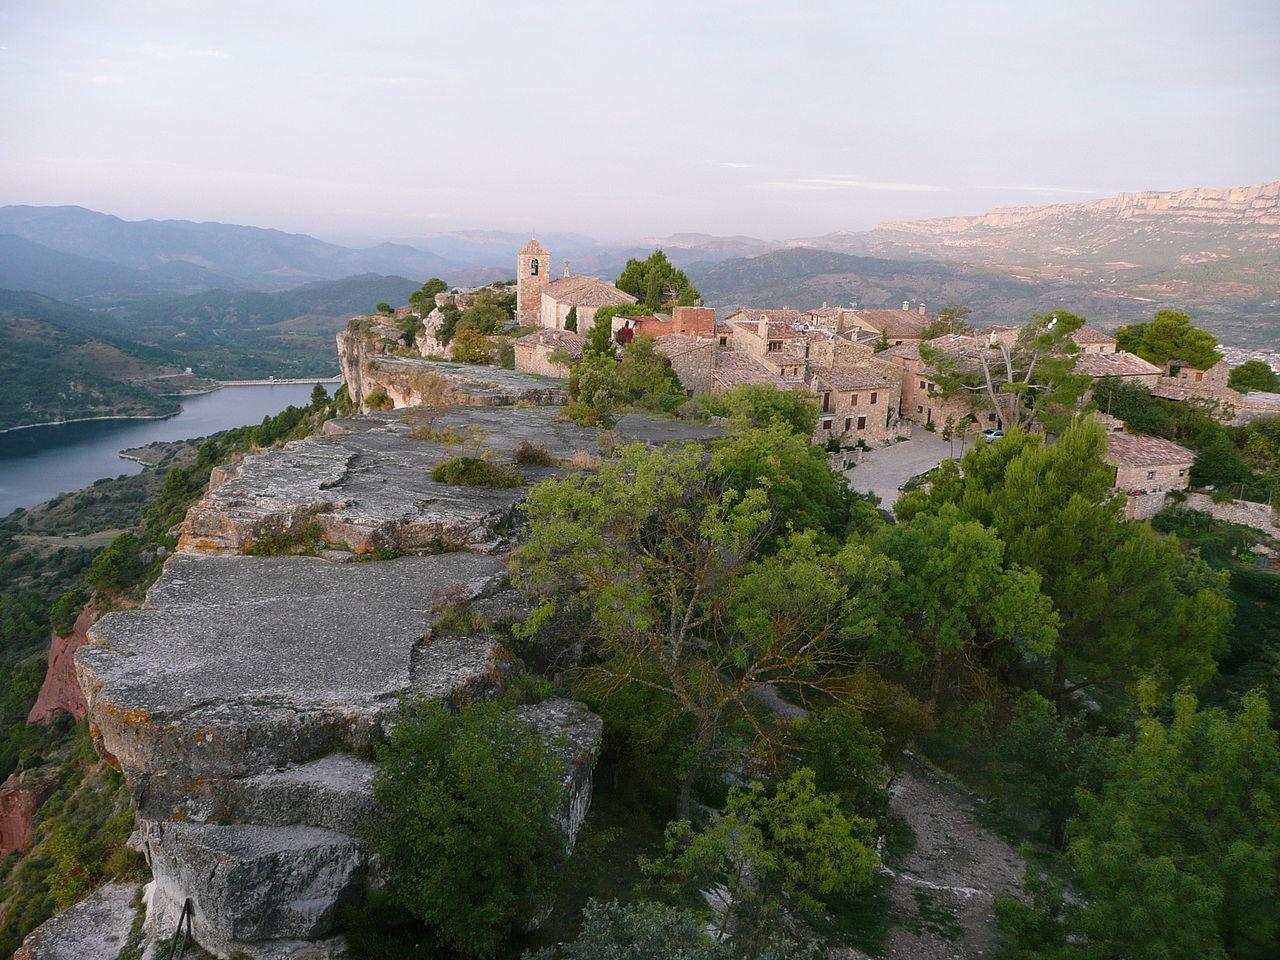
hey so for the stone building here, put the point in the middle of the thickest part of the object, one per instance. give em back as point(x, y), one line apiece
point(1092, 340)
point(896, 326)
point(546, 302)
point(692, 359)
point(1128, 367)
point(690, 321)
point(922, 400)
point(1148, 464)
point(546, 352)
point(857, 403)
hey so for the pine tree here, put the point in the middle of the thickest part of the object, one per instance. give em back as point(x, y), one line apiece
point(571, 321)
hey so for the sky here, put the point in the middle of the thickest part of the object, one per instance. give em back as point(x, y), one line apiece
point(621, 121)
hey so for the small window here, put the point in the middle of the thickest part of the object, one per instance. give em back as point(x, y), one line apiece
point(533, 267)
point(924, 384)
point(826, 424)
point(826, 402)
point(1182, 473)
point(919, 409)
point(848, 422)
point(724, 341)
point(1151, 474)
point(862, 423)
point(874, 397)
point(775, 346)
point(991, 418)
point(853, 399)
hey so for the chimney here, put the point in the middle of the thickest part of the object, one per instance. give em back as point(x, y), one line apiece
point(906, 304)
point(922, 310)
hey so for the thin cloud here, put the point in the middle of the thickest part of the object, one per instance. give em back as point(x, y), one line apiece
point(1022, 188)
point(838, 182)
point(735, 165)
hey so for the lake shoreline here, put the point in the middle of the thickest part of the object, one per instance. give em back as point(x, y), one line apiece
point(59, 423)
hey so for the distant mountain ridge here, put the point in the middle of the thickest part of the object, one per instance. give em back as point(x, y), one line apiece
point(182, 256)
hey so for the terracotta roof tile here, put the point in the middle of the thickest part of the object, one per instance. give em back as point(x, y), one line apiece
point(1136, 450)
point(1119, 364)
point(583, 291)
point(1088, 334)
point(565, 340)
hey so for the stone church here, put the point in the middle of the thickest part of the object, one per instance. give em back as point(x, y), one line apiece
point(545, 302)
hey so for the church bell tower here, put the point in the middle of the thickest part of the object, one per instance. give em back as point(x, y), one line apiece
point(533, 272)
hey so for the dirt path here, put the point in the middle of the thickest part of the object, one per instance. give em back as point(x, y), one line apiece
point(942, 891)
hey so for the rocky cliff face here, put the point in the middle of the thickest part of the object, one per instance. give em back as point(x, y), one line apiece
point(369, 365)
point(60, 690)
point(240, 699)
point(1257, 205)
point(21, 796)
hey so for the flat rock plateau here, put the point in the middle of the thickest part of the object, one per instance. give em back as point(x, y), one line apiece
point(241, 699)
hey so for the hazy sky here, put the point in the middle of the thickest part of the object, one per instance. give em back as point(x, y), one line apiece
point(623, 120)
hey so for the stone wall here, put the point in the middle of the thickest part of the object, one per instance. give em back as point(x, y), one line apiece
point(1153, 478)
point(1259, 516)
point(536, 358)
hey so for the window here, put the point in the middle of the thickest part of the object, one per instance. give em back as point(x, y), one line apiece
point(919, 409)
point(826, 402)
point(862, 423)
point(853, 399)
point(874, 397)
point(775, 346)
point(848, 422)
point(826, 424)
point(533, 267)
point(924, 384)
point(1182, 473)
point(724, 341)
point(1151, 474)
point(1199, 375)
point(991, 418)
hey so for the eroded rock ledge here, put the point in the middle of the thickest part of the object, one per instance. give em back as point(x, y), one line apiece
point(241, 699)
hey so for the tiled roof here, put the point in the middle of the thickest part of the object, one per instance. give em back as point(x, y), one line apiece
point(1118, 364)
point(582, 291)
point(533, 249)
point(863, 376)
point(675, 344)
point(1088, 334)
point(564, 340)
point(896, 323)
point(1135, 450)
point(733, 368)
point(773, 315)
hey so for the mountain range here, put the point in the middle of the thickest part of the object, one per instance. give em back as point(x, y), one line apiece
point(1212, 252)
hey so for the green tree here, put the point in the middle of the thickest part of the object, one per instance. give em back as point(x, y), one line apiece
point(642, 379)
point(600, 336)
point(759, 405)
point(470, 346)
point(662, 562)
point(118, 566)
point(571, 320)
point(319, 397)
point(426, 294)
point(639, 931)
point(1169, 336)
point(1130, 602)
point(485, 316)
point(955, 604)
point(1032, 377)
point(1254, 375)
point(1178, 855)
point(790, 847)
point(452, 315)
point(385, 308)
point(1048, 760)
point(953, 318)
point(657, 283)
point(466, 830)
point(803, 492)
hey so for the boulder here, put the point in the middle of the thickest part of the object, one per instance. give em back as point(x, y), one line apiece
point(574, 733)
point(96, 928)
point(251, 885)
point(238, 665)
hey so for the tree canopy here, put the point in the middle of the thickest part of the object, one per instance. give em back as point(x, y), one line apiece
point(657, 283)
point(1254, 375)
point(1170, 336)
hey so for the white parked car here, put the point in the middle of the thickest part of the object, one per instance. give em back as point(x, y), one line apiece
point(992, 435)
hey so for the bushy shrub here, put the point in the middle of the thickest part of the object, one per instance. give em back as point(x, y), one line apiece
point(476, 472)
point(467, 831)
point(378, 400)
point(532, 455)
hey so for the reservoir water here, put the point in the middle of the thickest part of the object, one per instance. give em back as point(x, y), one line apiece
point(41, 462)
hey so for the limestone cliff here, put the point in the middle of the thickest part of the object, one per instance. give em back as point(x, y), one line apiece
point(241, 699)
point(60, 691)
